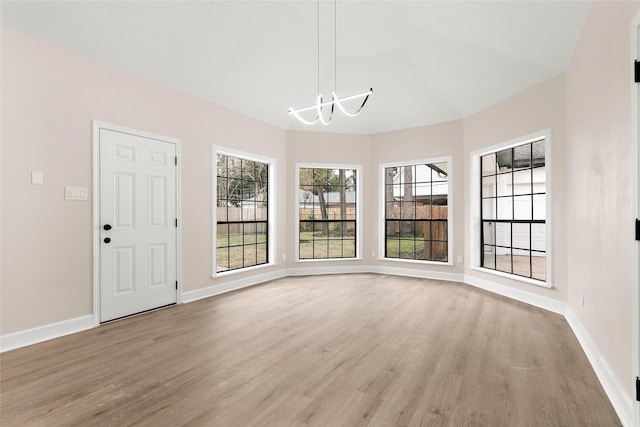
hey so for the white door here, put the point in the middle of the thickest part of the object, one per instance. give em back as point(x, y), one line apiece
point(138, 225)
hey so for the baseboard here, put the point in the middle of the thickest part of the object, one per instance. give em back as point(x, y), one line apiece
point(414, 272)
point(210, 291)
point(45, 333)
point(621, 401)
point(393, 271)
point(310, 271)
point(540, 301)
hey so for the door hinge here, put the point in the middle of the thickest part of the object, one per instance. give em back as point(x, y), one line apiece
point(176, 159)
point(176, 284)
point(176, 222)
point(636, 73)
point(637, 229)
point(638, 389)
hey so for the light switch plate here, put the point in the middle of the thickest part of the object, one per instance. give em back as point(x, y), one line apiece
point(76, 193)
point(37, 177)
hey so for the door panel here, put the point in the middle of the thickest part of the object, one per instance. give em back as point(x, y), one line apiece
point(158, 265)
point(124, 199)
point(123, 266)
point(138, 266)
point(157, 202)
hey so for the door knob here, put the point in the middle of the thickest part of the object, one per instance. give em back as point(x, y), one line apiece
point(107, 227)
point(107, 239)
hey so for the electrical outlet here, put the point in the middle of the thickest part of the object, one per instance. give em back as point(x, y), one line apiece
point(76, 193)
point(284, 256)
point(373, 253)
point(459, 259)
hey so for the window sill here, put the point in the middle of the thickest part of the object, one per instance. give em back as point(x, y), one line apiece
point(417, 261)
point(329, 260)
point(514, 277)
point(219, 274)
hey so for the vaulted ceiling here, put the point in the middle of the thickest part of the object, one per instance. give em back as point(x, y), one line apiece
point(427, 61)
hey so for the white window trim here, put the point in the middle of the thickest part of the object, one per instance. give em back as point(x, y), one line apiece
point(216, 149)
point(474, 203)
point(381, 225)
point(359, 183)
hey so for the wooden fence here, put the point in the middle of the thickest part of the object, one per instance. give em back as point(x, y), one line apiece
point(429, 230)
point(433, 230)
point(333, 213)
point(240, 214)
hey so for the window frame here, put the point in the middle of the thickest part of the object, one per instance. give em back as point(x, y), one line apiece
point(475, 204)
point(382, 241)
point(216, 150)
point(358, 220)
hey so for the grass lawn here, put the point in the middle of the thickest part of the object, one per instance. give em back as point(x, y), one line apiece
point(237, 251)
point(405, 247)
point(414, 248)
point(316, 245)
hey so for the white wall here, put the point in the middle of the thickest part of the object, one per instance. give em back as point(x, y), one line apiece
point(599, 222)
point(50, 96)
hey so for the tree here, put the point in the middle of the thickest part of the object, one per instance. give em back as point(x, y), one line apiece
point(319, 182)
point(408, 204)
point(240, 179)
point(343, 199)
point(389, 208)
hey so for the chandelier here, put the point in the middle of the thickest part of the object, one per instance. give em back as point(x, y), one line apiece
point(320, 104)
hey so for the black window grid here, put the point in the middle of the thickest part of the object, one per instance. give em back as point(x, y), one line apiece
point(437, 176)
point(347, 237)
point(248, 230)
point(511, 249)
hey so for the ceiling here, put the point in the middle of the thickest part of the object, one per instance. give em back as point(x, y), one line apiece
point(427, 61)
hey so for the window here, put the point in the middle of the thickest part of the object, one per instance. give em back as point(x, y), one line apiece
point(513, 210)
point(416, 211)
point(328, 203)
point(241, 231)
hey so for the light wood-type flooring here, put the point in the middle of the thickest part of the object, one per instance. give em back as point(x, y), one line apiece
point(339, 350)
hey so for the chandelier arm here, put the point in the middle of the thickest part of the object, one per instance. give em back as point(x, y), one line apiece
point(338, 102)
point(314, 106)
point(301, 119)
point(319, 109)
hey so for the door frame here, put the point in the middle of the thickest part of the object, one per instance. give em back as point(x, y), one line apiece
point(635, 206)
point(97, 125)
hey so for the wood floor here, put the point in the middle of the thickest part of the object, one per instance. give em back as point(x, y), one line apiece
point(343, 350)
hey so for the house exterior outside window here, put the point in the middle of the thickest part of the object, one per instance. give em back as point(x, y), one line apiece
point(512, 209)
